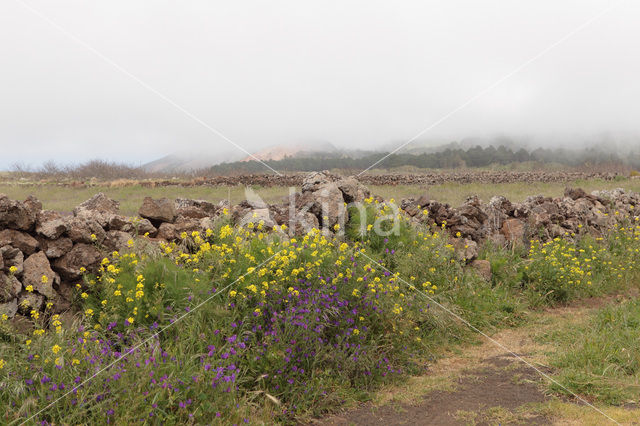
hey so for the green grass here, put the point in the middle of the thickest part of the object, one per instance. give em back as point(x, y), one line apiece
point(600, 358)
point(65, 198)
point(456, 193)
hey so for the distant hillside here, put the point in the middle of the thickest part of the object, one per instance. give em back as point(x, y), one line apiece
point(198, 160)
point(280, 152)
point(192, 161)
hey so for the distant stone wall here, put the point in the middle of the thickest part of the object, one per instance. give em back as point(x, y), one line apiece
point(429, 178)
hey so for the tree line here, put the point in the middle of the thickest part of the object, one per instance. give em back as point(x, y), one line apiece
point(446, 159)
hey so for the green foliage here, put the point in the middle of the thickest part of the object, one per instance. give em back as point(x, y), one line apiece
point(601, 359)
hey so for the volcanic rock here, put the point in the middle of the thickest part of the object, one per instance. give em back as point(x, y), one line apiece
point(158, 211)
point(11, 256)
point(81, 256)
point(20, 240)
point(50, 224)
point(10, 287)
point(483, 268)
point(513, 230)
point(99, 208)
point(17, 215)
point(9, 308)
point(56, 248)
point(84, 229)
point(36, 268)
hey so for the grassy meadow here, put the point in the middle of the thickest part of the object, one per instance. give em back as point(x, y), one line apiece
point(240, 325)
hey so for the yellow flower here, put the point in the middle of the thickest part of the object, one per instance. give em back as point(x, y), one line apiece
point(130, 319)
point(93, 237)
point(29, 288)
point(44, 279)
point(55, 349)
point(13, 269)
point(233, 293)
point(84, 295)
point(1, 364)
point(356, 331)
point(130, 243)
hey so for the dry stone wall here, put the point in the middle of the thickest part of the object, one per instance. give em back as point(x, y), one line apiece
point(43, 253)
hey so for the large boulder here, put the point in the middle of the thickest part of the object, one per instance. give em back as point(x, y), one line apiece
point(158, 211)
point(81, 256)
point(50, 224)
point(17, 215)
point(20, 240)
point(99, 208)
point(38, 273)
point(12, 256)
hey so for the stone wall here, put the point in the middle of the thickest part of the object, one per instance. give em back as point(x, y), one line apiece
point(43, 254)
point(544, 218)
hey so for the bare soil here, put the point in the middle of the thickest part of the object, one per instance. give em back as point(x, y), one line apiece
point(486, 385)
point(505, 383)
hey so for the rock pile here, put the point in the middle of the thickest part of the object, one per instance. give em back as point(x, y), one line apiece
point(322, 203)
point(43, 253)
point(503, 222)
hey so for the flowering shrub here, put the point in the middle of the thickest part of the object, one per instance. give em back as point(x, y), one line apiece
point(292, 321)
point(239, 324)
point(561, 269)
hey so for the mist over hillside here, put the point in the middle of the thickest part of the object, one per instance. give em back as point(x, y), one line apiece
point(467, 152)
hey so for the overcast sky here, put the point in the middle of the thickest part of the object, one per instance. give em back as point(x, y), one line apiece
point(353, 73)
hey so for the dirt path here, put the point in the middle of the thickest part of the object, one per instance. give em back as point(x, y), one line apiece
point(486, 385)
